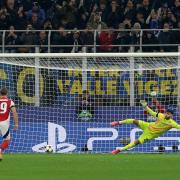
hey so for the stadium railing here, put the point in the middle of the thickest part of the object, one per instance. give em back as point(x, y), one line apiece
point(136, 45)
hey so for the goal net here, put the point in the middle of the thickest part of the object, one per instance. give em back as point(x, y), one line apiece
point(69, 100)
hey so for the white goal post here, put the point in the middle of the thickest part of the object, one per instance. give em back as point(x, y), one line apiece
point(69, 100)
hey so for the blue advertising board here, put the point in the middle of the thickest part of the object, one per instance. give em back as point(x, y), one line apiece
point(66, 135)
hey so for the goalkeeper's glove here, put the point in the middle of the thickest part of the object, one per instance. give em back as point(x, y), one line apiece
point(115, 123)
point(143, 103)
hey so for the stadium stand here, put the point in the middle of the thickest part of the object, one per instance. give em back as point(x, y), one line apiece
point(108, 25)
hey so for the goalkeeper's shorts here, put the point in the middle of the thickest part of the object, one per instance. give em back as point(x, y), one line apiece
point(146, 135)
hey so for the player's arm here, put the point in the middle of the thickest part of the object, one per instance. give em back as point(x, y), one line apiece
point(175, 125)
point(15, 117)
point(149, 110)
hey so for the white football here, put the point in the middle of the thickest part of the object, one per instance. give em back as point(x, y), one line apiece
point(48, 148)
point(153, 93)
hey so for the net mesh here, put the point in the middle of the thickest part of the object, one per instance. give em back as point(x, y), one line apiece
point(111, 63)
point(68, 101)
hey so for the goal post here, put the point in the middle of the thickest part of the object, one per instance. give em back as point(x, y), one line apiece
point(69, 100)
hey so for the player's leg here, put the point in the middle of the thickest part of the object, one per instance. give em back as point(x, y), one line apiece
point(143, 138)
point(126, 121)
point(125, 148)
point(4, 128)
point(146, 136)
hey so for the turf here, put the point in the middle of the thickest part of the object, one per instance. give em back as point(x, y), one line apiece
point(90, 167)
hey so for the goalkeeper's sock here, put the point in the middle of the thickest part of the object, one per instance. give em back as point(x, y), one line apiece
point(4, 145)
point(129, 146)
point(126, 121)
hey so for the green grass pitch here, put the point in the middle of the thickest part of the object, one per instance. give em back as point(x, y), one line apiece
point(90, 167)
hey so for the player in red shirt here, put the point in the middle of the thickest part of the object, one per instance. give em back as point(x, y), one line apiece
point(6, 105)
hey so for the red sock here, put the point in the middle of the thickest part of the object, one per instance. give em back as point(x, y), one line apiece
point(4, 144)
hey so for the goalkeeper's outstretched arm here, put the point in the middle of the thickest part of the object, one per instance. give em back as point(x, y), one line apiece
point(175, 125)
point(149, 110)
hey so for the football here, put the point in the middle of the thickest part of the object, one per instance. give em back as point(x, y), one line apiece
point(153, 93)
point(48, 148)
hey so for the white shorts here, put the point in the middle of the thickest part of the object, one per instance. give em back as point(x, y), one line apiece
point(4, 129)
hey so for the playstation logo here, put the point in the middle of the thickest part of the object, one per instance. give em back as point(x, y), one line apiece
point(56, 138)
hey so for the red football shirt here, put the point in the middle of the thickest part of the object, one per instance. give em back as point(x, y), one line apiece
point(5, 108)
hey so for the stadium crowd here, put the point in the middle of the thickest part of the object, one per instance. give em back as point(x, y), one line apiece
point(117, 23)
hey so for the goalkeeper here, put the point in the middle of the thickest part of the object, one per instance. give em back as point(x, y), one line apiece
point(163, 123)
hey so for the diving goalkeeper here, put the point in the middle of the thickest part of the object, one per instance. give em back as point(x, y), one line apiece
point(163, 123)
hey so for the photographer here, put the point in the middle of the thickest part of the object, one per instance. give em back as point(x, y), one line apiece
point(85, 109)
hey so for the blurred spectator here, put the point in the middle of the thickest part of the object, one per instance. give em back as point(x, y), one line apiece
point(123, 38)
point(34, 21)
point(115, 15)
point(103, 10)
point(153, 21)
point(68, 12)
point(145, 8)
point(135, 36)
point(141, 20)
point(177, 33)
point(88, 39)
point(43, 42)
point(165, 37)
point(150, 39)
point(47, 25)
point(76, 42)
point(27, 39)
point(12, 15)
point(168, 17)
point(106, 41)
point(10, 40)
point(95, 22)
point(38, 10)
point(4, 19)
point(129, 10)
point(21, 21)
point(60, 38)
point(162, 11)
point(82, 15)
point(176, 9)
point(171, 19)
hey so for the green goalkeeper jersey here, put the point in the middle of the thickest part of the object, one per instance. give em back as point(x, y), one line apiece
point(161, 125)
